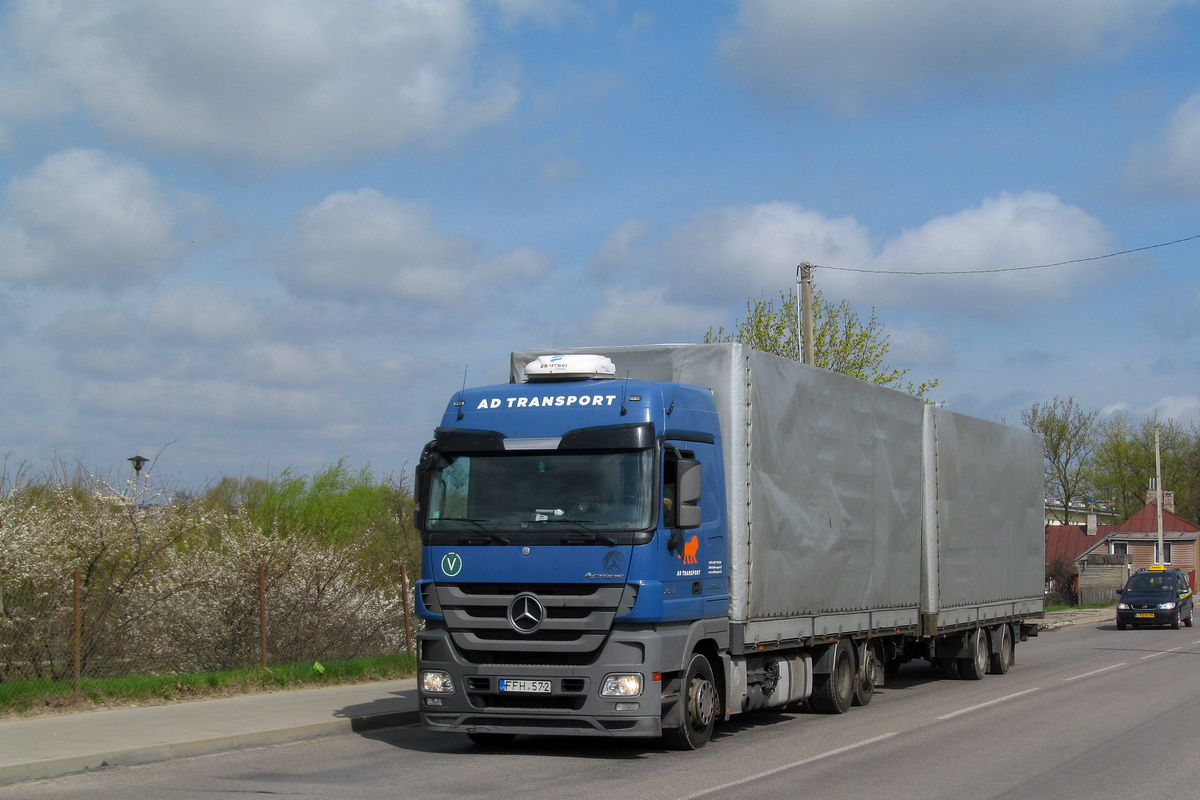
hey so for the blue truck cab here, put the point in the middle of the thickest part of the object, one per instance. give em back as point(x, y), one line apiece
point(574, 558)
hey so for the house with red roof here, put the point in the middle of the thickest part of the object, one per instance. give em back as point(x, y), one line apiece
point(1137, 538)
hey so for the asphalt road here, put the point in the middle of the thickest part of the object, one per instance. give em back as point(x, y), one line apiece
point(1087, 712)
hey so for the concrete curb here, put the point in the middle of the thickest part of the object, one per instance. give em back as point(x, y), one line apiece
point(145, 754)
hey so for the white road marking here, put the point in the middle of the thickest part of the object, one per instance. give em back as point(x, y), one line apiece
point(1163, 653)
point(793, 765)
point(1093, 672)
point(969, 709)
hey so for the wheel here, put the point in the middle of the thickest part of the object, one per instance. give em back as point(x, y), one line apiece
point(833, 692)
point(1120, 625)
point(1175, 621)
point(1188, 621)
point(1002, 659)
point(491, 739)
point(699, 696)
point(864, 683)
point(974, 666)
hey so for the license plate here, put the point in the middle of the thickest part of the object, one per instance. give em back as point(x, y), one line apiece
point(1145, 616)
point(534, 687)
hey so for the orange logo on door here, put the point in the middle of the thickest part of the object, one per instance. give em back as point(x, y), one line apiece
point(690, 548)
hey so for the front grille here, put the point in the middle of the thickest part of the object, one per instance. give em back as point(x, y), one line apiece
point(577, 619)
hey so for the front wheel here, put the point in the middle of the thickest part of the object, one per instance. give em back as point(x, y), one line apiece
point(1175, 621)
point(1188, 621)
point(699, 698)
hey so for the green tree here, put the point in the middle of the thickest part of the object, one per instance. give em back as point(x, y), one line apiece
point(1069, 436)
point(1123, 463)
point(842, 342)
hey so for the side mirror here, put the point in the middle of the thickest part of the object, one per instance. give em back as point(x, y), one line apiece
point(421, 485)
point(687, 493)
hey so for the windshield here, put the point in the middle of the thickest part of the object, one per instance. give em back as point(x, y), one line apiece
point(551, 491)
point(1151, 582)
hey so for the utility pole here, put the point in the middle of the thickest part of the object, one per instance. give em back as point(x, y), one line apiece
point(1162, 555)
point(804, 313)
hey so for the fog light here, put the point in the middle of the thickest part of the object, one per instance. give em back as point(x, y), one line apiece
point(433, 701)
point(437, 682)
point(621, 685)
point(628, 706)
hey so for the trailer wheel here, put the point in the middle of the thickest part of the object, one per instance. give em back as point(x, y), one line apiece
point(974, 666)
point(1003, 658)
point(699, 697)
point(833, 692)
point(864, 685)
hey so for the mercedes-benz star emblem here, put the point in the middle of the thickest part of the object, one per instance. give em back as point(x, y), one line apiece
point(526, 614)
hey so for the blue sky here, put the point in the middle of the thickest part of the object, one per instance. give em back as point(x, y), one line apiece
point(277, 234)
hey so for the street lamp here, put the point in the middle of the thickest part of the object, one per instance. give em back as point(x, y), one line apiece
point(138, 462)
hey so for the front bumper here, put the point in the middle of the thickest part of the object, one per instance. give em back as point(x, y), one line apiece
point(1147, 616)
point(573, 706)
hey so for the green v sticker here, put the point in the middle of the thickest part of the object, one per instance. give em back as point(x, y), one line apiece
point(451, 564)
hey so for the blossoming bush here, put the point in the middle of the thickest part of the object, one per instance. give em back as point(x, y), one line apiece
point(172, 586)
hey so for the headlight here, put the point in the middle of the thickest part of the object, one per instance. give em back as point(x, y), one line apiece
point(1123, 606)
point(621, 686)
point(437, 682)
point(1166, 606)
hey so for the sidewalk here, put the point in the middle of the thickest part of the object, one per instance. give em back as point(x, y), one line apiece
point(45, 747)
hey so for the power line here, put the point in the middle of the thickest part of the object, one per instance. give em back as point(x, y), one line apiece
point(1009, 269)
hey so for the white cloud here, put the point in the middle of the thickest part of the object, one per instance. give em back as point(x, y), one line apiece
point(290, 365)
point(86, 217)
point(1181, 408)
point(1029, 229)
point(1170, 168)
point(365, 246)
point(203, 312)
point(645, 314)
point(276, 81)
point(848, 51)
point(911, 345)
point(748, 250)
point(203, 400)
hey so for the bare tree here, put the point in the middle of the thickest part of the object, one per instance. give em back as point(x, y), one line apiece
point(1069, 436)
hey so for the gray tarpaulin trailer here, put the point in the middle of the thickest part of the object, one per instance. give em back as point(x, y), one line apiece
point(859, 513)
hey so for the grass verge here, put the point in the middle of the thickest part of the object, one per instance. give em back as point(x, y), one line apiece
point(1065, 607)
point(42, 696)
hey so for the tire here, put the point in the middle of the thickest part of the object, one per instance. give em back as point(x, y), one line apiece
point(1188, 621)
point(700, 698)
point(1002, 659)
point(1120, 625)
point(492, 739)
point(1175, 621)
point(833, 692)
point(864, 683)
point(974, 666)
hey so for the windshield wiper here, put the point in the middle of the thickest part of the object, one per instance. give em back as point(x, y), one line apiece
point(592, 536)
point(479, 531)
point(487, 536)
